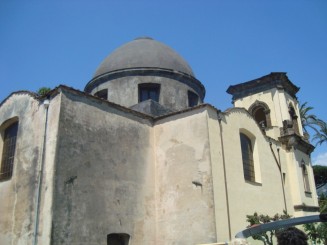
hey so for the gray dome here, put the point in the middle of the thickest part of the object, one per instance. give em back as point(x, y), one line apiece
point(143, 52)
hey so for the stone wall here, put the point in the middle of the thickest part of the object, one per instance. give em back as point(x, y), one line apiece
point(17, 208)
point(184, 187)
point(124, 91)
point(104, 174)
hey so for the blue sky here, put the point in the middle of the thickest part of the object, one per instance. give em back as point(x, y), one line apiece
point(47, 43)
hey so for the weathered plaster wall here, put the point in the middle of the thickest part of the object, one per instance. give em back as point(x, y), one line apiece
point(184, 188)
point(278, 101)
point(218, 176)
point(17, 194)
point(48, 172)
point(124, 91)
point(109, 170)
point(104, 174)
point(266, 97)
point(265, 195)
point(295, 181)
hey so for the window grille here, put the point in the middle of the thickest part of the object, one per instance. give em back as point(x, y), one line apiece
point(247, 158)
point(8, 151)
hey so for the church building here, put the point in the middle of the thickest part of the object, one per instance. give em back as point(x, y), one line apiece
point(138, 157)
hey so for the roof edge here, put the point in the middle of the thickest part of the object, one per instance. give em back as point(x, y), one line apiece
point(147, 71)
point(277, 80)
point(32, 94)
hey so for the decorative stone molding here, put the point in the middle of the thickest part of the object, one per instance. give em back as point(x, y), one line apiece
point(277, 80)
point(306, 208)
point(294, 140)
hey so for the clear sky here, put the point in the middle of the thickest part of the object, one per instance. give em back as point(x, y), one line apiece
point(47, 43)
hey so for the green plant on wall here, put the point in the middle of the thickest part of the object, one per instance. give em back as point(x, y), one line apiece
point(258, 219)
point(43, 91)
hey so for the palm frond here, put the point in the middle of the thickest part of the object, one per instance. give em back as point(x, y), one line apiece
point(321, 135)
point(309, 120)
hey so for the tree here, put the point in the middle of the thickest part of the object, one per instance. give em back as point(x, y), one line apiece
point(311, 121)
point(43, 91)
point(308, 120)
point(317, 232)
point(265, 237)
point(321, 135)
point(320, 175)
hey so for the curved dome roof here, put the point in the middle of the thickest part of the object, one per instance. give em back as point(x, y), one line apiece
point(143, 52)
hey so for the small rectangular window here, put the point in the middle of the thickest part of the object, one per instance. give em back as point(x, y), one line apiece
point(149, 91)
point(8, 151)
point(103, 94)
point(193, 99)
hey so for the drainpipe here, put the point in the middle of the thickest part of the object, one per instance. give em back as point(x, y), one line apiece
point(225, 176)
point(278, 162)
point(282, 179)
point(46, 104)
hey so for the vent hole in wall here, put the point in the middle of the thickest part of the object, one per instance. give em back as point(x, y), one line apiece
point(118, 239)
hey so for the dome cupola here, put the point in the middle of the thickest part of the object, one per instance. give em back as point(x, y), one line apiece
point(146, 69)
point(143, 52)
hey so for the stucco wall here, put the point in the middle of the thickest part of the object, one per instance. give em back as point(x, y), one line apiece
point(184, 188)
point(124, 91)
point(218, 176)
point(48, 171)
point(277, 101)
point(104, 174)
point(17, 194)
point(266, 97)
point(265, 195)
point(108, 169)
point(301, 197)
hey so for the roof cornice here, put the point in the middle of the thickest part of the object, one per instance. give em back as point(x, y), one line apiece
point(148, 71)
point(32, 94)
point(277, 80)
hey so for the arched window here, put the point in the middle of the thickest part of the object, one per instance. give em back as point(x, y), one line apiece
point(8, 151)
point(260, 116)
point(118, 239)
point(247, 158)
point(261, 113)
point(294, 117)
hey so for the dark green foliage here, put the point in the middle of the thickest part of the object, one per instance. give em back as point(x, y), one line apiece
point(43, 91)
point(323, 204)
point(292, 236)
point(321, 136)
point(255, 219)
point(317, 232)
point(308, 120)
point(320, 174)
point(311, 121)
